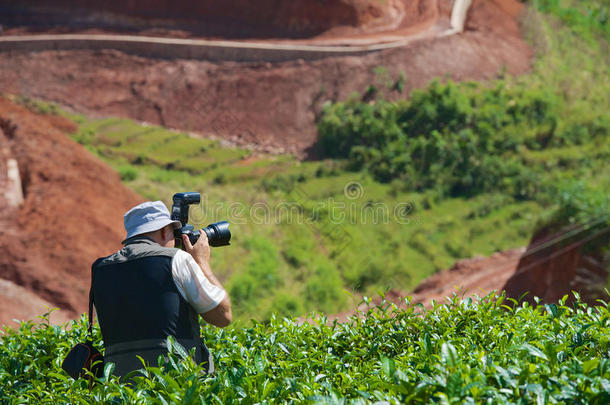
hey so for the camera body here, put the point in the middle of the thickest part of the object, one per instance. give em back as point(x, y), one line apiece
point(218, 233)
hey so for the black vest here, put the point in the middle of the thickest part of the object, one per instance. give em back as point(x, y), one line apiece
point(138, 306)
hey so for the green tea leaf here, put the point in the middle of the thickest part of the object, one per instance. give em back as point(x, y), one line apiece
point(449, 354)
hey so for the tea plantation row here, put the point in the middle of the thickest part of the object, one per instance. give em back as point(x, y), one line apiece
point(491, 351)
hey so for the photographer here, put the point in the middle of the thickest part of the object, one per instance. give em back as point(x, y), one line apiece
point(150, 290)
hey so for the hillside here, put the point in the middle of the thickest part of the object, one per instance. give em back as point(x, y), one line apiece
point(270, 107)
point(65, 221)
point(226, 173)
point(229, 19)
point(503, 157)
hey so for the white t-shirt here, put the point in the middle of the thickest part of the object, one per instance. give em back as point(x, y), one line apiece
point(193, 285)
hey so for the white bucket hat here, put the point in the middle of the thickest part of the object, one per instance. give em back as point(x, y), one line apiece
point(147, 217)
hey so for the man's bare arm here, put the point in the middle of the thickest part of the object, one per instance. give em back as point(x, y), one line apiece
point(221, 315)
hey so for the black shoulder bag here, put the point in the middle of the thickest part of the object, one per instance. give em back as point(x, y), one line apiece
point(84, 357)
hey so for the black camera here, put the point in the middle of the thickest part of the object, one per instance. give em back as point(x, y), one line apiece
point(218, 233)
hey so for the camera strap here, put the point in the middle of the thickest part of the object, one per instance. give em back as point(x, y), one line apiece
point(90, 313)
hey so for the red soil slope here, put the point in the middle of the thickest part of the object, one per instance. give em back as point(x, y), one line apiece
point(261, 105)
point(227, 18)
point(21, 304)
point(71, 215)
point(560, 261)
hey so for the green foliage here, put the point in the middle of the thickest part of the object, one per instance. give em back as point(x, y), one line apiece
point(259, 277)
point(470, 351)
point(263, 261)
point(399, 85)
point(580, 204)
point(285, 304)
point(470, 138)
point(37, 106)
point(324, 288)
point(128, 173)
point(461, 139)
point(584, 17)
point(282, 183)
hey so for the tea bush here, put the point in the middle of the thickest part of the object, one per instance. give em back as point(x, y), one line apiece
point(464, 351)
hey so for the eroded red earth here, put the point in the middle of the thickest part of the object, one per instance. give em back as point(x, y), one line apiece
point(71, 214)
point(231, 19)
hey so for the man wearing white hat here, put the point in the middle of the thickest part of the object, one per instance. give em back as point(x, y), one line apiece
point(149, 290)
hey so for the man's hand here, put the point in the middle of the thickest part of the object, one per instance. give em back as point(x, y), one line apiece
point(200, 250)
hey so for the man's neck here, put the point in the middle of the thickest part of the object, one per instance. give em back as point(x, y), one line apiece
point(138, 238)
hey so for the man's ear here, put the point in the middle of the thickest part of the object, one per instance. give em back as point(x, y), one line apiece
point(170, 232)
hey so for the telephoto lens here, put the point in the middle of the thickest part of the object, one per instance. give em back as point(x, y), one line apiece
point(218, 234)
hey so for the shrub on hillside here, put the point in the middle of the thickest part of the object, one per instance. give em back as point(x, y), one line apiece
point(462, 139)
point(128, 173)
